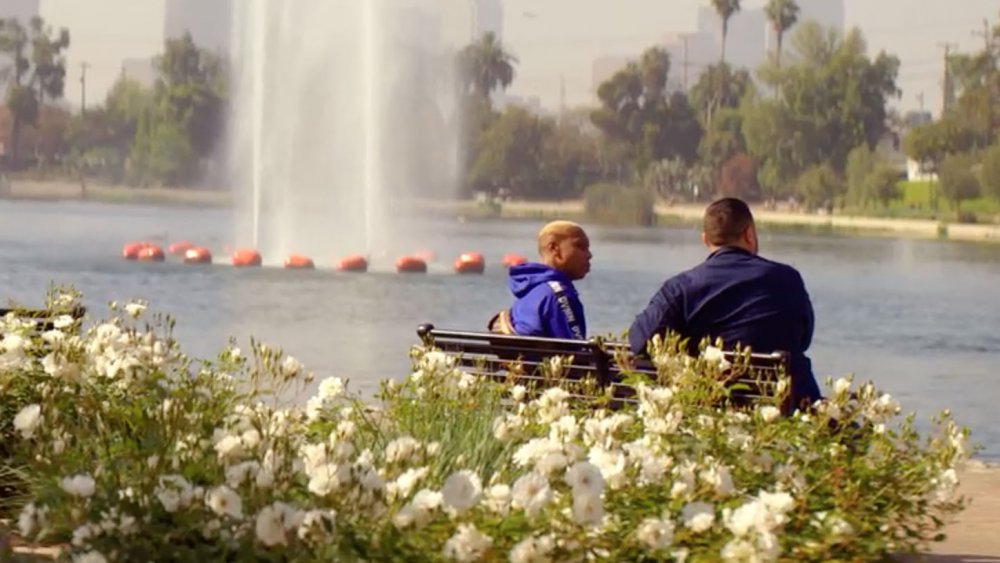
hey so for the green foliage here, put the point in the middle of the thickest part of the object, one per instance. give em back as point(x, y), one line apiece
point(138, 449)
point(819, 186)
point(617, 204)
point(36, 70)
point(738, 178)
point(637, 113)
point(720, 88)
point(485, 66)
point(831, 98)
point(989, 176)
point(958, 180)
point(510, 153)
point(882, 184)
point(782, 15)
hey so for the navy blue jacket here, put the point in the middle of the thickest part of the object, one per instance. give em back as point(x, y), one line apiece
point(745, 300)
point(538, 311)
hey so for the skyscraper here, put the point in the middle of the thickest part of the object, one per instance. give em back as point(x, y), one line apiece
point(210, 22)
point(487, 16)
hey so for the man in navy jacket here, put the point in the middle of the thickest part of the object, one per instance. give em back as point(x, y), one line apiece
point(546, 302)
point(736, 295)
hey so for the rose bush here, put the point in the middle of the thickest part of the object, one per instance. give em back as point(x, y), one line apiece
point(126, 449)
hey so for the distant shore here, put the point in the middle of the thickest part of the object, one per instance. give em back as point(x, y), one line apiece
point(686, 214)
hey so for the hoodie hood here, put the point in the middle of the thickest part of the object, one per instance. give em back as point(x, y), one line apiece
point(527, 276)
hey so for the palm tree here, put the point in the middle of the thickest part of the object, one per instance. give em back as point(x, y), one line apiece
point(782, 14)
point(726, 9)
point(485, 66)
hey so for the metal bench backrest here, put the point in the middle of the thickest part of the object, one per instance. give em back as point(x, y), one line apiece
point(526, 359)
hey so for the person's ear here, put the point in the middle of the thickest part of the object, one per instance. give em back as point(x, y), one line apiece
point(704, 239)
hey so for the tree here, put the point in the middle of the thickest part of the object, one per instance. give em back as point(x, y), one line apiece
point(726, 10)
point(989, 176)
point(882, 184)
point(782, 15)
point(860, 165)
point(485, 66)
point(958, 181)
point(831, 98)
point(510, 153)
point(720, 87)
point(37, 69)
point(637, 114)
point(738, 178)
point(819, 186)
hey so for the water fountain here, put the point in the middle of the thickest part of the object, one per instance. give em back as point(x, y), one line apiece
point(341, 108)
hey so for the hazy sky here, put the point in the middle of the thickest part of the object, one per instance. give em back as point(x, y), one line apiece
point(562, 38)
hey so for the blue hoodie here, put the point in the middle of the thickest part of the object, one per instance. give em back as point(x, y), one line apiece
point(537, 311)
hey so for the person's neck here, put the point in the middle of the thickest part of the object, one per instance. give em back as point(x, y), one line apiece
point(713, 249)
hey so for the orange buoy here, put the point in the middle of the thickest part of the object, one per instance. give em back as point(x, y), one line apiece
point(511, 260)
point(353, 263)
point(411, 265)
point(131, 250)
point(246, 257)
point(197, 255)
point(150, 253)
point(297, 262)
point(425, 255)
point(470, 263)
point(180, 247)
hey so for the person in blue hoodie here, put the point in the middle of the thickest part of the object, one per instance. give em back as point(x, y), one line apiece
point(545, 301)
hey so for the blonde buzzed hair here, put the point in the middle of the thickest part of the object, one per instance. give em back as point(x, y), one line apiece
point(556, 232)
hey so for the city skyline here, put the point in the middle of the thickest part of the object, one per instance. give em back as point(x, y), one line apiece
point(557, 42)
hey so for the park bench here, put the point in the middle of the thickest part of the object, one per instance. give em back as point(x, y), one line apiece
point(526, 360)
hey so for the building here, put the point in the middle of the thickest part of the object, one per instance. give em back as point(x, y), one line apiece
point(487, 17)
point(210, 22)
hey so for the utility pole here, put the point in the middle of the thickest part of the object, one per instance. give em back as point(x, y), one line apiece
point(947, 85)
point(562, 96)
point(83, 87)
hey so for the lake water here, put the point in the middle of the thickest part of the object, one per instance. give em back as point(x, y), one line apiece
point(920, 318)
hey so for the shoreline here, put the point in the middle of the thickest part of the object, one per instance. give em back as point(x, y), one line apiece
point(666, 215)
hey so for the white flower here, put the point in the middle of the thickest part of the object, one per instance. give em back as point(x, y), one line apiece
point(331, 388)
point(462, 490)
point(498, 498)
point(328, 477)
point(841, 386)
point(224, 502)
point(719, 477)
point(62, 322)
point(290, 367)
point(405, 483)
point(229, 447)
point(401, 450)
point(274, 521)
point(533, 550)
point(82, 485)
point(518, 392)
point(739, 550)
point(611, 463)
point(317, 523)
point(715, 355)
point(588, 510)
point(28, 420)
point(769, 413)
point(419, 511)
point(531, 492)
point(585, 478)
point(135, 309)
point(468, 544)
point(655, 533)
point(90, 557)
point(698, 516)
point(32, 518)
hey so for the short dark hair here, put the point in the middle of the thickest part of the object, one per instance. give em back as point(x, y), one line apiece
point(726, 220)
